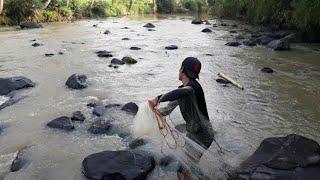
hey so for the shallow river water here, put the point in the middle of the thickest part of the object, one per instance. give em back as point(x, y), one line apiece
point(277, 104)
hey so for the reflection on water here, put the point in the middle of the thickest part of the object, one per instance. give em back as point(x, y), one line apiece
point(271, 105)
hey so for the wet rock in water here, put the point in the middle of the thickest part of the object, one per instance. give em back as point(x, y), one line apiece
point(209, 54)
point(233, 43)
point(264, 40)
point(10, 84)
point(63, 123)
point(125, 39)
point(206, 30)
point(2, 127)
point(95, 25)
point(99, 111)
point(290, 157)
point(33, 40)
point(118, 164)
point(151, 30)
point(171, 47)
point(92, 104)
point(137, 142)
point(76, 81)
point(240, 37)
point(100, 126)
point(10, 101)
point(78, 116)
point(129, 60)
point(223, 24)
point(134, 48)
point(233, 32)
point(149, 25)
point(49, 54)
point(234, 25)
point(112, 106)
point(125, 28)
point(181, 128)
point(249, 43)
point(222, 81)
point(279, 45)
point(30, 25)
point(130, 107)
point(117, 61)
point(37, 44)
point(19, 162)
point(107, 32)
point(267, 70)
point(196, 21)
point(61, 53)
point(104, 53)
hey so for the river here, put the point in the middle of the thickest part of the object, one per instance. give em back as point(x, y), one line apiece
point(277, 104)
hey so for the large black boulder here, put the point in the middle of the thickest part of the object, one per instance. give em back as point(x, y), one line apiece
point(63, 123)
point(292, 157)
point(128, 165)
point(8, 85)
point(76, 81)
point(30, 25)
point(171, 47)
point(149, 25)
point(130, 107)
point(100, 126)
point(206, 30)
point(279, 45)
point(129, 60)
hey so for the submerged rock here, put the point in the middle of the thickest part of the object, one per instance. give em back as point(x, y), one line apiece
point(267, 70)
point(249, 43)
point(149, 25)
point(107, 32)
point(117, 61)
point(232, 32)
point(129, 165)
point(206, 30)
point(30, 25)
point(112, 106)
point(99, 110)
point(264, 40)
point(129, 60)
point(100, 127)
point(134, 48)
point(279, 45)
point(151, 30)
point(77, 82)
point(130, 107)
point(290, 157)
point(233, 43)
point(91, 104)
point(49, 54)
point(125, 39)
point(10, 101)
point(37, 44)
point(78, 116)
point(20, 161)
point(63, 123)
point(137, 142)
point(171, 47)
point(196, 21)
point(104, 53)
point(10, 84)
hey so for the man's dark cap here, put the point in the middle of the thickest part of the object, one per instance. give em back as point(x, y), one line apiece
point(192, 67)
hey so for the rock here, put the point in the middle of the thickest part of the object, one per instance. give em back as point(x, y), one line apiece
point(61, 53)
point(214, 25)
point(279, 45)
point(151, 30)
point(240, 37)
point(267, 70)
point(63, 123)
point(30, 25)
point(125, 28)
point(99, 111)
point(249, 43)
point(37, 44)
point(233, 32)
point(197, 21)
point(49, 54)
point(19, 162)
point(233, 43)
point(134, 48)
point(206, 30)
point(125, 39)
point(104, 53)
point(223, 24)
point(100, 127)
point(137, 142)
point(290, 157)
point(76, 81)
point(129, 60)
point(171, 47)
point(128, 165)
point(222, 81)
point(149, 25)
point(10, 101)
point(130, 107)
point(10, 84)
point(95, 25)
point(117, 61)
point(234, 25)
point(92, 104)
point(107, 32)
point(263, 40)
point(77, 116)
point(2, 127)
point(112, 106)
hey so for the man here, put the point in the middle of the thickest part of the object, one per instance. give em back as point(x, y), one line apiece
point(190, 98)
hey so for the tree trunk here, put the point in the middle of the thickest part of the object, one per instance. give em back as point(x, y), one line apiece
point(91, 5)
point(1, 6)
point(155, 9)
point(46, 4)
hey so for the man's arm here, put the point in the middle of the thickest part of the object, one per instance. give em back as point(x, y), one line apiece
point(169, 108)
point(176, 94)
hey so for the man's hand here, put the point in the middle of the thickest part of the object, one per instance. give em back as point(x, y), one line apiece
point(153, 102)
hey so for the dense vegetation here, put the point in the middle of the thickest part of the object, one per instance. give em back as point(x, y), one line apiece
point(281, 14)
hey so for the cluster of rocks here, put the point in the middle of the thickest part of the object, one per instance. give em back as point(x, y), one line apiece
point(30, 25)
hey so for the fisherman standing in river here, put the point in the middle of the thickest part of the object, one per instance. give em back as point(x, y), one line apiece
point(191, 101)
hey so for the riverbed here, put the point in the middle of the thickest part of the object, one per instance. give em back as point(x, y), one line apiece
point(277, 104)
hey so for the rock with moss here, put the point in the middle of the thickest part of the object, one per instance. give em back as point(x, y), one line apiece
point(30, 25)
point(129, 60)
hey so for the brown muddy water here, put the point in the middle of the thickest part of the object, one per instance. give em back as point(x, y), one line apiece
point(277, 104)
